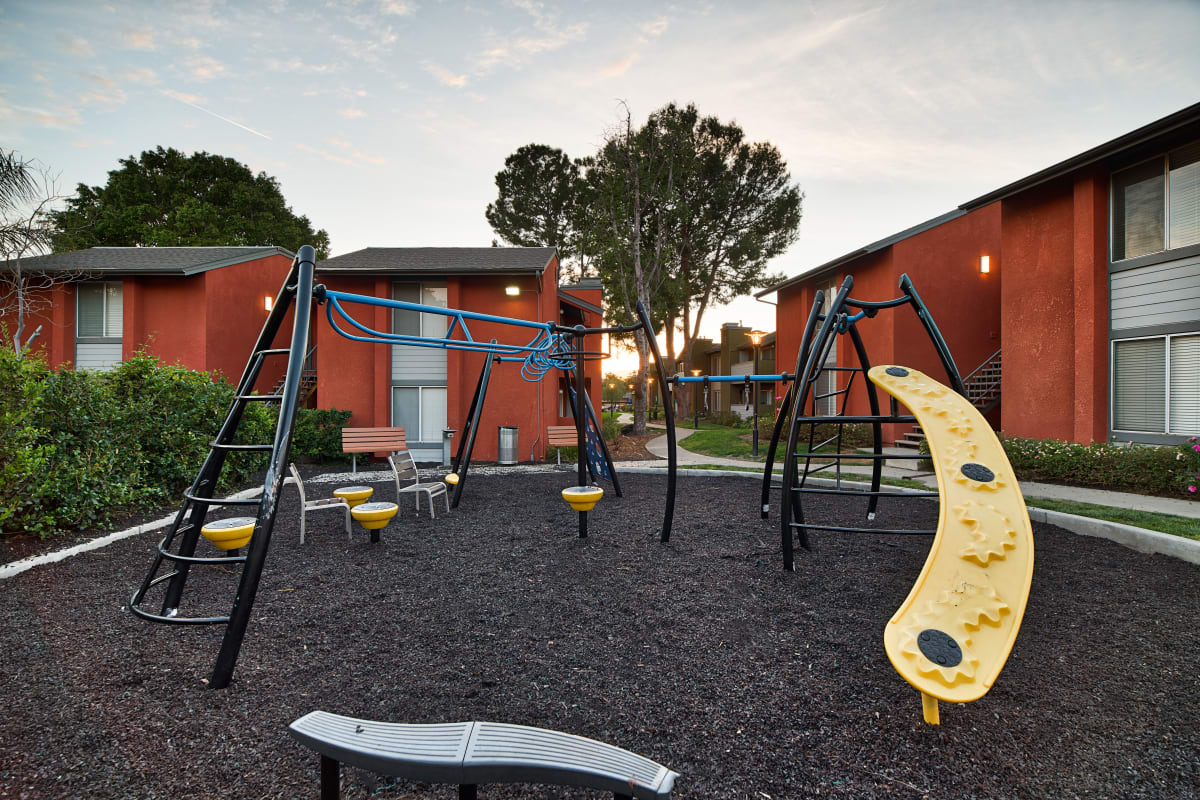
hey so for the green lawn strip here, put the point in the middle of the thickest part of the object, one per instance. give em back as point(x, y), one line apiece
point(1165, 523)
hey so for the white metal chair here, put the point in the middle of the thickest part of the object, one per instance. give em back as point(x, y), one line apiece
point(405, 469)
point(317, 505)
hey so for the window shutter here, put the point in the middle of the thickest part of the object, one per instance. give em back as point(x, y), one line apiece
point(1185, 385)
point(1139, 385)
point(112, 310)
point(1138, 210)
point(1185, 195)
point(90, 321)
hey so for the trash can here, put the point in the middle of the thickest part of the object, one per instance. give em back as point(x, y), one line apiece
point(507, 447)
point(447, 434)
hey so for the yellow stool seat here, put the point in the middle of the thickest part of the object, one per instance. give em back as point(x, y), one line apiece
point(452, 479)
point(582, 498)
point(354, 495)
point(374, 516)
point(230, 533)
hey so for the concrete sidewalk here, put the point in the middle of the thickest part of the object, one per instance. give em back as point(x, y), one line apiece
point(1099, 497)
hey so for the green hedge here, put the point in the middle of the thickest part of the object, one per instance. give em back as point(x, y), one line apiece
point(1135, 468)
point(78, 448)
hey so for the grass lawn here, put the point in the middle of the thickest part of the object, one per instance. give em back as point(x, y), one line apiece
point(1165, 523)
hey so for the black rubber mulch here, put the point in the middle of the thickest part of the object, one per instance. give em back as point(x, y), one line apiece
point(702, 654)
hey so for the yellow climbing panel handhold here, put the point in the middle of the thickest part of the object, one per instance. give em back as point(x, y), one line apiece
point(954, 631)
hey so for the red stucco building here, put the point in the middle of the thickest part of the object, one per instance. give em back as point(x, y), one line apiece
point(201, 307)
point(1090, 300)
point(427, 390)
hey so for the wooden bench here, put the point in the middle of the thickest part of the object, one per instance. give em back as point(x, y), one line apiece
point(470, 753)
point(561, 436)
point(372, 440)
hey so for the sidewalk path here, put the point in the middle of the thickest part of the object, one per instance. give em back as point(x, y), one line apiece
point(1100, 497)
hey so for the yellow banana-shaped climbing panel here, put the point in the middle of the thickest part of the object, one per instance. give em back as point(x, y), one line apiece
point(953, 633)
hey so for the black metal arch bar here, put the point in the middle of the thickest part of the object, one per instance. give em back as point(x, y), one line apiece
point(785, 407)
point(806, 374)
point(466, 443)
point(668, 417)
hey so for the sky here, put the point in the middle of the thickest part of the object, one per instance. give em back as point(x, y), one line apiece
point(385, 121)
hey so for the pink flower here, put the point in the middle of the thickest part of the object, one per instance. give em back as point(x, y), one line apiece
point(1192, 489)
point(1196, 447)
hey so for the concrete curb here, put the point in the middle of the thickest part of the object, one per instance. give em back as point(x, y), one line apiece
point(17, 567)
point(1139, 539)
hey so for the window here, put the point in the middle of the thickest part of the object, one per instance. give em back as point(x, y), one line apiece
point(98, 320)
point(419, 373)
point(1156, 385)
point(1156, 204)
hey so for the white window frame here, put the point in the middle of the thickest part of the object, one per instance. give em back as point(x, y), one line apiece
point(109, 339)
point(416, 443)
point(1112, 382)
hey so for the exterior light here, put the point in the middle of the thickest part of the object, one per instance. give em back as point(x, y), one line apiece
point(512, 291)
point(269, 303)
point(985, 265)
point(756, 337)
point(696, 373)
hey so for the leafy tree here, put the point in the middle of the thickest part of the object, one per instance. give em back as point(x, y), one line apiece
point(539, 190)
point(27, 190)
point(165, 198)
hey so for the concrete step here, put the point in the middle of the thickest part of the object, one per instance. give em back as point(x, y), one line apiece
point(908, 464)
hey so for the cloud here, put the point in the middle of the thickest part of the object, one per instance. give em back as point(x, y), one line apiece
point(351, 113)
point(655, 27)
point(141, 39)
point(104, 92)
point(141, 76)
point(205, 68)
point(63, 117)
point(620, 67)
point(346, 146)
point(325, 155)
point(189, 42)
point(397, 8)
point(75, 46)
point(520, 46)
point(444, 75)
point(182, 97)
point(296, 64)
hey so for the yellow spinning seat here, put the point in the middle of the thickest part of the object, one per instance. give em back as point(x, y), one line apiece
point(582, 498)
point(452, 479)
point(374, 516)
point(954, 631)
point(354, 495)
point(230, 533)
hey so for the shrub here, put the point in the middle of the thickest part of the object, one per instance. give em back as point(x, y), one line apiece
point(1188, 472)
point(318, 435)
point(1137, 468)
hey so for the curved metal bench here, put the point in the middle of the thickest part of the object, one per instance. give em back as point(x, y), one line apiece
point(470, 753)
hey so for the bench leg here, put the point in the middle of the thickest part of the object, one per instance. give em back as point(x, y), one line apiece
point(331, 788)
point(622, 797)
point(467, 791)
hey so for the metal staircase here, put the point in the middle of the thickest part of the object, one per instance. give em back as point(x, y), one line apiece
point(983, 391)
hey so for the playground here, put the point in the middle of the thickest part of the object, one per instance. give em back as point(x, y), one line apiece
point(701, 653)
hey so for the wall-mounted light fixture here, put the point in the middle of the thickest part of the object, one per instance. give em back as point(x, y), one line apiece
point(985, 265)
point(268, 303)
point(512, 291)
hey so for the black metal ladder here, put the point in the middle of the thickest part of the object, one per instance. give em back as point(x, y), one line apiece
point(176, 552)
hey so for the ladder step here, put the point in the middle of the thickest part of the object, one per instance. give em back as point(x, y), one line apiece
point(201, 559)
point(275, 351)
point(265, 448)
point(259, 397)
